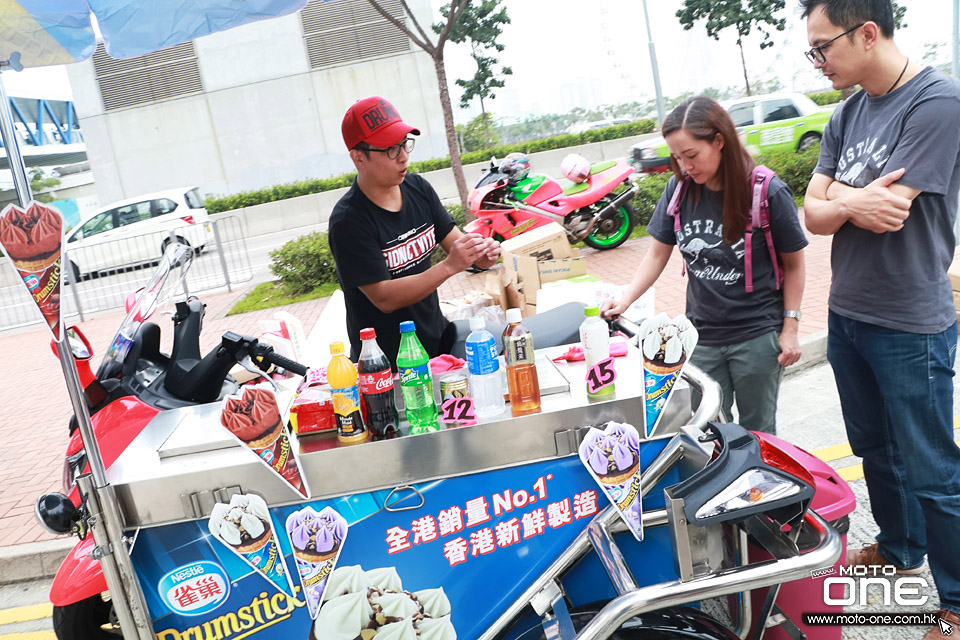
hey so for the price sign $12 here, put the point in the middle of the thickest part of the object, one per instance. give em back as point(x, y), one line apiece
point(457, 411)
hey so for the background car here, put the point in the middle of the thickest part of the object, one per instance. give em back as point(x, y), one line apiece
point(772, 122)
point(136, 231)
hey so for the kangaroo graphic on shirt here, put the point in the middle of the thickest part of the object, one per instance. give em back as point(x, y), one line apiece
point(693, 248)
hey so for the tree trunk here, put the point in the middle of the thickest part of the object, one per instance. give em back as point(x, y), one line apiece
point(455, 163)
point(743, 61)
point(486, 122)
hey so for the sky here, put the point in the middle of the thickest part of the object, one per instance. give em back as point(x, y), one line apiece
point(569, 53)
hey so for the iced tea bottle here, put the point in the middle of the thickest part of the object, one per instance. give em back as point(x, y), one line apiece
point(521, 366)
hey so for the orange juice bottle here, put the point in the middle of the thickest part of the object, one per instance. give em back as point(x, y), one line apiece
point(342, 376)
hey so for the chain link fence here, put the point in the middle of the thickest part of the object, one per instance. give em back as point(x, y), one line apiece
point(99, 277)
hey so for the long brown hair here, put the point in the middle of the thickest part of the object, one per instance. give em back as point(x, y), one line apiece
point(704, 118)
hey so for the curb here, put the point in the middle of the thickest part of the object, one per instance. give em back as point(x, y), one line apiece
point(33, 560)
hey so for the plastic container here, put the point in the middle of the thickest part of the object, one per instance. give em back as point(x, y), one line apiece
point(342, 376)
point(834, 501)
point(312, 411)
point(595, 338)
point(416, 382)
point(520, 357)
point(376, 389)
point(486, 386)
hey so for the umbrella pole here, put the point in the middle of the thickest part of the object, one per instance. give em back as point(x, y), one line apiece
point(15, 159)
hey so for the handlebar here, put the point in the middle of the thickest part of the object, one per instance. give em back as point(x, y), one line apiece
point(282, 361)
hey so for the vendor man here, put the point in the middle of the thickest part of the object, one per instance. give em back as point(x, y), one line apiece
point(384, 230)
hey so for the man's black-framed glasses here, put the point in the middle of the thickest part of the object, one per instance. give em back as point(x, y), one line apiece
point(816, 56)
point(393, 152)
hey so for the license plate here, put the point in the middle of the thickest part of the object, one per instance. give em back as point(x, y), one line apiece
point(207, 227)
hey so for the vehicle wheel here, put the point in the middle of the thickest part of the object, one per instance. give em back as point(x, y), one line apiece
point(808, 140)
point(166, 243)
point(613, 231)
point(91, 619)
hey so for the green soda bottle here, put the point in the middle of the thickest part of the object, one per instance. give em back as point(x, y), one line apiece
point(416, 383)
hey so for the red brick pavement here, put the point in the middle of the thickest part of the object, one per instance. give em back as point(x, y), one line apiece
point(34, 406)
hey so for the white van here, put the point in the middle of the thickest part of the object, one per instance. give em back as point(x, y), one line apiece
point(136, 231)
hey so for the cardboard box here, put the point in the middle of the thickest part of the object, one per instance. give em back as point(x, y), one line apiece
point(953, 271)
point(548, 242)
point(533, 273)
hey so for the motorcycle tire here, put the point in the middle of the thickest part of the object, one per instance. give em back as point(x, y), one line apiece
point(612, 232)
point(90, 619)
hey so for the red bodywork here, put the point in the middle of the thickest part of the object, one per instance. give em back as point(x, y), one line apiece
point(493, 219)
point(115, 426)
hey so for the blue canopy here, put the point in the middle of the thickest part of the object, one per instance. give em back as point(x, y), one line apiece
point(47, 32)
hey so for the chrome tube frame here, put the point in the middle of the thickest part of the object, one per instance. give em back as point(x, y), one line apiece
point(668, 594)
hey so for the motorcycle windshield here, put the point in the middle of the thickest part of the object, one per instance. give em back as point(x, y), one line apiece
point(163, 286)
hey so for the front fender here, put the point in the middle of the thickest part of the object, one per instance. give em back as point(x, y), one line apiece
point(79, 577)
point(477, 226)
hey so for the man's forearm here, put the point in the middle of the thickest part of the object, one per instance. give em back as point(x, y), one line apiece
point(390, 295)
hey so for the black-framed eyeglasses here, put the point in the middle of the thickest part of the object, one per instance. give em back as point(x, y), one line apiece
point(393, 152)
point(815, 55)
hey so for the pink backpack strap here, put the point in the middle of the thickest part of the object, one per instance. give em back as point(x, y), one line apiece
point(760, 218)
point(673, 209)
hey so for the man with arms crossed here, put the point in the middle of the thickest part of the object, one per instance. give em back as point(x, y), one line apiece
point(886, 188)
point(383, 232)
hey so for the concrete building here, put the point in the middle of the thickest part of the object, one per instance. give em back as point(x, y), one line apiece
point(254, 106)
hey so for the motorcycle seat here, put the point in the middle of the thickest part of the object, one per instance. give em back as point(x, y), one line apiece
point(597, 167)
point(571, 188)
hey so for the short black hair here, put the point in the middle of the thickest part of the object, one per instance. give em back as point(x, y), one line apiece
point(847, 14)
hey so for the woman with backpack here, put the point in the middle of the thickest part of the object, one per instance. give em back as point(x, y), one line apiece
point(738, 232)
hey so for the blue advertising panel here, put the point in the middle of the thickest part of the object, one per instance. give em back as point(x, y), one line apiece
point(451, 556)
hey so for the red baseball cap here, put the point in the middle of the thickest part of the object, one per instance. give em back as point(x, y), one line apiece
point(375, 121)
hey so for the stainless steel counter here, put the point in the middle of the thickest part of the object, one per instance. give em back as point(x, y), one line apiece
point(184, 461)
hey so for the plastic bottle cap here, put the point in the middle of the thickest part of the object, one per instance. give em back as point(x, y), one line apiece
point(589, 311)
point(368, 334)
point(336, 348)
point(407, 326)
point(477, 323)
point(514, 316)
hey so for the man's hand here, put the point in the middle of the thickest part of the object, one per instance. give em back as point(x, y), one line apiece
point(875, 207)
point(490, 253)
point(789, 344)
point(466, 250)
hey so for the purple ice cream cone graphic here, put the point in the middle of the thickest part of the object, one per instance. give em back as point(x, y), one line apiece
point(613, 458)
point(316, 540)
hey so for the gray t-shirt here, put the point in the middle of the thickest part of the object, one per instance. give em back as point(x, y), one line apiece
point(898, 280)
point(718, 304)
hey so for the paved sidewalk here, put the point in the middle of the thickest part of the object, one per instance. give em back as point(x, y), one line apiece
point(34, 406)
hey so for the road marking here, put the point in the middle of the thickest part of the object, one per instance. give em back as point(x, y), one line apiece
point(837, 451)
point(25, 614)
point(851, 473)
point(33, 635)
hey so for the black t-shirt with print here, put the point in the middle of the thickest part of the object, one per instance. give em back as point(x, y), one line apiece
point(371, 244)
point(718, 304)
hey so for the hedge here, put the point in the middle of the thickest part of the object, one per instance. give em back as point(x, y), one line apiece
point(824, 98)
point(318, 185)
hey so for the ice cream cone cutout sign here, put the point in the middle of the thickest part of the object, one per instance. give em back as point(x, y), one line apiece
point(666, 344)
point(32, 240)
point(245, 527)
point(253, 418)
point(612, 456)
point(316, 540)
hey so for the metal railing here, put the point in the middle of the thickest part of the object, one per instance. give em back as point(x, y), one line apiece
point(99, 277)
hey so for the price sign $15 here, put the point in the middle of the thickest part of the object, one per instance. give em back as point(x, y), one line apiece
point(601, 375)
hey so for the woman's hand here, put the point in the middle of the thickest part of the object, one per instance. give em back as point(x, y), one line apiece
point(789, 344)
point(611, 310)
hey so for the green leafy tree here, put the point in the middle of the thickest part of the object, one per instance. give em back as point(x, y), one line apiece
point(39, 182)
point(479, 27)
point(478, 134)
point(743, 15)
point(454, 10)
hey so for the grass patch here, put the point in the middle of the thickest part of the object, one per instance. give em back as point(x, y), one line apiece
point(273, 294)
point(639, 231)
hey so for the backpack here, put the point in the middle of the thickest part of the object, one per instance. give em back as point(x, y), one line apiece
point(759, 218)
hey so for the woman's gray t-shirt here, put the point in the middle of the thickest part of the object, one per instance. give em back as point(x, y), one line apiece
point(718, 304)
point(898, 280)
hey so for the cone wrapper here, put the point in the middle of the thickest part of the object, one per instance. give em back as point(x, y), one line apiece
point(253, 418)
point(32, 240)
point(667, 344)
point(245, 527)
point(316, 540)
point(612, 456)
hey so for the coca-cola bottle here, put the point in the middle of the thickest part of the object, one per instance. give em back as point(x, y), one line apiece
point(376, 387)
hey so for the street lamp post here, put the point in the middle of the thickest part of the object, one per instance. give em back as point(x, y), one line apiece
point(661, 110)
